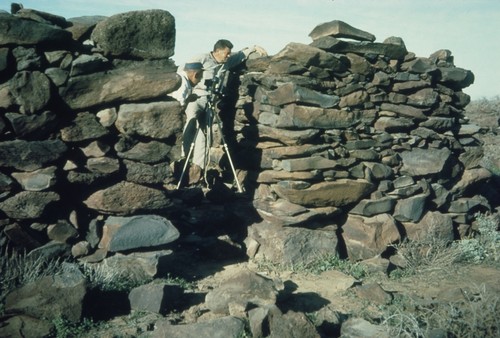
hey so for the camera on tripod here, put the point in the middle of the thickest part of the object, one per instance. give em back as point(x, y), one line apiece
point(216, 85)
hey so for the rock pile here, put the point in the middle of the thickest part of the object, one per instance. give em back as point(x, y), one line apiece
point(344, 146)
point(356, 145)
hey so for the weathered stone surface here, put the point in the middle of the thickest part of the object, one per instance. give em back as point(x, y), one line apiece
point(86, 64)
point(35, 126)
point(361, 328)
point(303, 117)
point(410, 209)
point(30, 90)
point(103, 165)
point(289, 245)
point(28, 204)
point(337, 193)
point(126, 198)
point(51, 297)
point(456, 77)
point(288, 137)
point(62, 231)
point(309, 56)
point(142, 173)
point(367, 237)
point(433, 224)
point(119, 85)
point(149, 152)
point(84, 127)
point(28, 156)
point(224, 327)
point(158, 120)
point(404, 110)
point(130, 34)
point(394, 125)
point(340, 29)
point(37, 180)
point(243, 288)
point(292, 324)
point(292, 93)
point(307, 163)
point(15, 30)
point(155, 297)
point(370, 207)
point(140, 232)
point(422, 162)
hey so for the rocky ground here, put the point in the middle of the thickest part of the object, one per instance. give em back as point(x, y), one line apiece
point(437, 293)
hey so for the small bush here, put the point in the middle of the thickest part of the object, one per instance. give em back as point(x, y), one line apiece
point(476, 315)
point(321, 263)
point(482, 246)
point(20, 268)
point(106, 277)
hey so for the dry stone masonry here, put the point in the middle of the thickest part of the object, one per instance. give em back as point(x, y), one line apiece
point(344, 146)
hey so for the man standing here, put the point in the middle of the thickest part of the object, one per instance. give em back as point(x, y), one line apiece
point(215, 63)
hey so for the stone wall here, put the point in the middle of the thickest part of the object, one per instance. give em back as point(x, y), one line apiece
point(344, 145)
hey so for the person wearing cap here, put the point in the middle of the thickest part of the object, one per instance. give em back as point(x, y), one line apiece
point(190, 76)
point(219, 60)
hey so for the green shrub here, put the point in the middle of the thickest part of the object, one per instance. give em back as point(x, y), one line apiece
point(317, 265)
point(482, 246)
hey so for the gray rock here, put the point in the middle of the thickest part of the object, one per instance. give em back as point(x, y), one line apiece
point(411, 208)
point(337, 193)
point(361, 328)
point(28, 156)
point(292, 93)
point(423, 162)
point(37, 180)
point(367, 237)
point(18, 31)
point(224, 327)
point(146, 152)
point(35, 126)
point(84, 127)
point(340, 29)
point(155, 297)
point(86, 64)
point(125, 198)
point(129, 34)
point(51, 297)
point(371, 207)
point(28, 204)
point(296, 116)
point(455, 77)
point(307, 56)
point(158, 120)
point(103, 165)
point(30, 90)
point(120, 85)
point(290, 245)
point(141, 232)
point(404, 110)
point(244, 288)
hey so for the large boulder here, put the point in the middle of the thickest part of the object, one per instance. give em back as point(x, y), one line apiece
point(131, 34)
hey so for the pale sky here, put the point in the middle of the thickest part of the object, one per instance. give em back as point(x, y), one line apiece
point(470, 29)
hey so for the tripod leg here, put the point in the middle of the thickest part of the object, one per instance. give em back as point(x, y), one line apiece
point(226, 148)
point(191, 149)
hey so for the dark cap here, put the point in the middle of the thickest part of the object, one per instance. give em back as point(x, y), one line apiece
point(193, 66)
